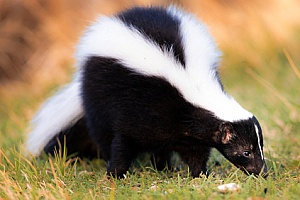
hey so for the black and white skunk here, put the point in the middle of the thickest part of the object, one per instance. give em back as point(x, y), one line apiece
point(147, 81)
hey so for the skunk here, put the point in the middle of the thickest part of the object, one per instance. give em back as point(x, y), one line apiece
point(147, 81)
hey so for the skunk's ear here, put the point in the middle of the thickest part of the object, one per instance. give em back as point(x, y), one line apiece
point(226, 132)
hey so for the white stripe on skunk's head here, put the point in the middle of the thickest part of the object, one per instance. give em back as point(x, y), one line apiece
point(166, 43)
point(259, 136)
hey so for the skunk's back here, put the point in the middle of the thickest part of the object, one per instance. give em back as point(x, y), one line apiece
point(168, 44)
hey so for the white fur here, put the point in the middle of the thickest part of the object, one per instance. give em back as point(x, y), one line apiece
point(110, 37)
point(258, 140)
point(59, 112)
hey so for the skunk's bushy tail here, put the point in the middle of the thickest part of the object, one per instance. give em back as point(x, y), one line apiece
point(57, 115)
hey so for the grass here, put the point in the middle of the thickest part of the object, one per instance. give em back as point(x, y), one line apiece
point(274, 103)
point(269, 89)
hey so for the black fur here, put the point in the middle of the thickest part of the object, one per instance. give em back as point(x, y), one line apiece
point(132, 114)
point(77, 141)
point(127, 113)
point(159, 26)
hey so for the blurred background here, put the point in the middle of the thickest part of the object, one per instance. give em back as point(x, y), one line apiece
point(260, 41)
point(37, 37)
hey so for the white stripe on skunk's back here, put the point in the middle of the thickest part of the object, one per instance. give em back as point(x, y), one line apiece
point(197, 81)
point(59, 112)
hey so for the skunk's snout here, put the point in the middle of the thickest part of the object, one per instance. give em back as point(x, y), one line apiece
point(258, 171)
point(261, 170)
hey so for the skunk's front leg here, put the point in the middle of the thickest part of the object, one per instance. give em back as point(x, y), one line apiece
point(161, 159)
point(196, 159)
point(123, 152)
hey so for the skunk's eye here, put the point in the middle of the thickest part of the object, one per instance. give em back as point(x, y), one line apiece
point(246, 153)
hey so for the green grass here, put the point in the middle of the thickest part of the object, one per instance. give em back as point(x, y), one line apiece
point(270, 91)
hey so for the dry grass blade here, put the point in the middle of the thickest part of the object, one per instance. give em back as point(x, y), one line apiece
point(269, 86)
point(292, 64)
point(6, 158)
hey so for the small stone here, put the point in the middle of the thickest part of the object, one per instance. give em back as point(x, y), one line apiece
point(229, 187)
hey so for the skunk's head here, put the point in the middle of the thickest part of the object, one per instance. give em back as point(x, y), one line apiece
point(241, 142)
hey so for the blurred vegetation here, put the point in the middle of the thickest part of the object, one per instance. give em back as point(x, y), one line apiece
point(37, 37)
point(260, 41)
